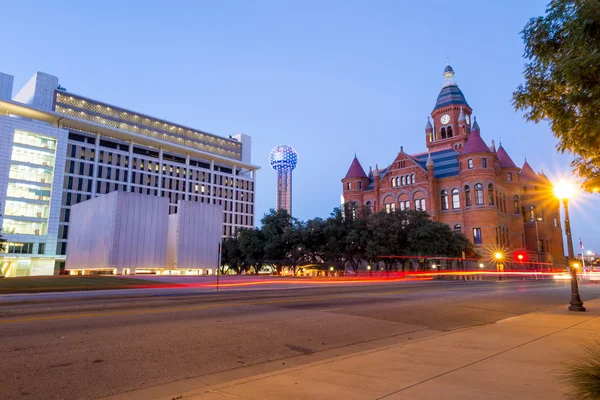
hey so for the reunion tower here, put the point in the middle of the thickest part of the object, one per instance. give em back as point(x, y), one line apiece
point(283, 159)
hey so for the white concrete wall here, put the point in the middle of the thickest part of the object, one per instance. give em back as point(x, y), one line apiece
point(198, 235)
point(172, 241)
point(141, 231)
point(91, 233)
point(119, 230)
point(38, 91)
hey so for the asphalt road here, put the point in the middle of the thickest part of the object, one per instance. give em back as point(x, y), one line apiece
point(65, 347)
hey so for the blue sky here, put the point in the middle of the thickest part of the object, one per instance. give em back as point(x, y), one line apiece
point(329, 78)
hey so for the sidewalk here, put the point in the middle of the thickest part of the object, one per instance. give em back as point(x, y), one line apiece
point(518, 358)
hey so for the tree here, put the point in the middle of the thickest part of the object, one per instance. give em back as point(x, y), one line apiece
point(231, 255)
point(562, 80)
point(252, 248)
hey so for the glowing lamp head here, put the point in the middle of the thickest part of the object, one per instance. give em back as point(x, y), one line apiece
point(368, 267)
point(498, 255)
point(481, 265)
point(433, 266)
point(564, 189)
point(283, 158)
point(576, 265)
point(331, 268)
point(520, 257)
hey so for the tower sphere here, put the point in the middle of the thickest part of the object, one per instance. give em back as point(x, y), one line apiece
point(283, 157)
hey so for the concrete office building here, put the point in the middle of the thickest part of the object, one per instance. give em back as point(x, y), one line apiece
point(59, 149)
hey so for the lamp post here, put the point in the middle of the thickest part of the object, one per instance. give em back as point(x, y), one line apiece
point(563, 190)
point(498, 257)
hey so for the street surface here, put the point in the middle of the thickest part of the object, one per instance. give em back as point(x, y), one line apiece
point(91, 345)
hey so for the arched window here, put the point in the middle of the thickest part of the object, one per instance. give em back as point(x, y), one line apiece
point(389, 204)
point(504, 202)
point(403, 181)
point(455, 199)
point(369, 206)
point(443, 133)
point(516, 204)
point(531, 213)
point(491, 194)
point(393, 182)
point(444, 199)
point(479, 194)
point(404, 202)
point(449, 132)
point(468, 196)
point(458, 228)
point(412, 178)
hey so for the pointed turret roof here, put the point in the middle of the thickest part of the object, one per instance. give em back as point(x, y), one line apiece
point(527, 174)
point(450, 93)
point(429, 162)
point(475, 144)
point(428, 126)
point(475, 125)
point(356, 170)
point(505, 160)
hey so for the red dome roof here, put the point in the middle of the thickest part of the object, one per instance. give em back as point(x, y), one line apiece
point(356, 170)
point(475, 144)
point(505, 160)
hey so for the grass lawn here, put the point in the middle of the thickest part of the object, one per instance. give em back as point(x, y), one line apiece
point(36, 284)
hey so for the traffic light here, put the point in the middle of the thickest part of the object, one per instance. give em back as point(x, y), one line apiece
point(520, 256)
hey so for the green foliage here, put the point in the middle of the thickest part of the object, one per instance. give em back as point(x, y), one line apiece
point(350, 236)
point(584, 375)
point(562, 82)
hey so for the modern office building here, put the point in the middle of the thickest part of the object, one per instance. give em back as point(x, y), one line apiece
point(59, 148)
point(284, 159)
point(462, 181)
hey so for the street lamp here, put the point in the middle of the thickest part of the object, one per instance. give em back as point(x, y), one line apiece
point(563, 190)
point(498, 256)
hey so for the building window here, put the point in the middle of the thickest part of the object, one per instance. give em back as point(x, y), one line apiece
point(443, 133)
point(556, 220)
point(477, 239)
point(458, 228)
point(509, 176)
point(491, 194)
point(479, 194)
point(349, 186)
point(455, 199)
point(389, 207)
point(449, 132)
point(531, 213)
point(419, 204)
point(412, 178)
point(467, 196)
point(369, 206)
point(403, 181)
point(405, 205)
point(359, 185)
point(484, 162)
point(470, 163)
point(516, 204)
point(444, 199)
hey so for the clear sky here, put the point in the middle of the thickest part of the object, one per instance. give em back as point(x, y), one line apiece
point(329, 78)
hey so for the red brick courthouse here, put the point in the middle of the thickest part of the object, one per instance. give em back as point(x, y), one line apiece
point(474, 187)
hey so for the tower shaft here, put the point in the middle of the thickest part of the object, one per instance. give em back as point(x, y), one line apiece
point(284, 190)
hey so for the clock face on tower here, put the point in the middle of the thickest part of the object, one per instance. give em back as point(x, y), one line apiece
point(468, 119)
point(445, 119)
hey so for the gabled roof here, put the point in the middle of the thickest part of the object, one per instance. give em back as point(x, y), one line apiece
point(475, 144)
point(505, 160)
point(527, 174)
point(445, 163)
point(356, 170)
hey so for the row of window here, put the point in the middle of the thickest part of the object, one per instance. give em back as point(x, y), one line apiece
point(419, 204)
point(500, 198)
point(403, 180)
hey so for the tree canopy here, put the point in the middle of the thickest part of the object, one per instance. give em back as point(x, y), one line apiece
point(350, 237)
point(562, 80)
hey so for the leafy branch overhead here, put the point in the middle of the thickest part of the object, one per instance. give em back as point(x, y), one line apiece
point(562, 80)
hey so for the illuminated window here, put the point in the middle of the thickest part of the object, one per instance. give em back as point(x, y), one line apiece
point(478, 194)
point(477, 239)
point(455, 199)
point(470, 163)
point(484, 162)
point(490, 194)
point(420, 204)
